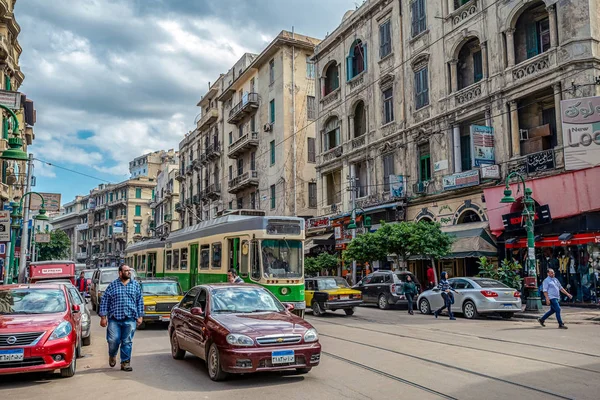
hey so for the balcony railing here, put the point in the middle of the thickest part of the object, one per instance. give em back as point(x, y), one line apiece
point(243, 181)
point(332, 154)
point(249, 140)
point(248, 105)
point(196, 199)
point(212, 192)
point(209, 116)
point(179, 176)
point(212, 152)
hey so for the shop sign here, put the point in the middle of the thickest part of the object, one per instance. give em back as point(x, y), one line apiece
point(4, 226)
point(82, 227)
point(461, 180)
point(541, 161)
point(514, 221)
point(313, 223)
point(337, 232)
point(440, 165)
point(396, 185)
point(581, 132)
point(51, 202)
point(10, 99)
point(482, 145)
point(42, 238)
point(118, 227)
point(490, 172)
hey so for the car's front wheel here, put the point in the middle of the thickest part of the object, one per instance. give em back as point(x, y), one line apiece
point(87, 340)
point(383, 302)
point(70, 370)
point(215, 372)
point(317, 310)
point(469, 310)
point(349, 311)
point(424, 306)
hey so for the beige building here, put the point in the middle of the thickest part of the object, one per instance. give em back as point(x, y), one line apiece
point(254, 144)
point(426, 103)
point(149, 164)
point(166, 196)
point(69, 221)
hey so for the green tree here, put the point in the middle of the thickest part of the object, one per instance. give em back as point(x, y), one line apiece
point(431, 241)
point(399, 239)
point(508, 272)
point(56, 249)
point(367, 247)
point(324, 261)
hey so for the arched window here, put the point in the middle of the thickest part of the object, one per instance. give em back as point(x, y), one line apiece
point(468, 216)
point(356, 62)
point(332, 79)
point(470, 64)
point(532, 34)
point(331, 136)
point(360, 125)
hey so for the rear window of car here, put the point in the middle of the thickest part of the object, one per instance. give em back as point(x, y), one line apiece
point(111, 275)
point(489, 283)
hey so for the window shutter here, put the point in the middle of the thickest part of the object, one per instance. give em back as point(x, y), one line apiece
point(465, 152)
point(382, 40)
point(338, 139)
point(349, 68)
point(477, 66)
point(425, 86)
point(532, 40)
point(415, 17)
point(364, 47)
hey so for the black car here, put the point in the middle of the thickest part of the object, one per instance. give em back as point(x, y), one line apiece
point(384, 288)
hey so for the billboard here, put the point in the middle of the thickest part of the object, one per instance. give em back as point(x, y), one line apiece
point(482, 145)
point(51, 201)
point(581, 132)
point(396, 185)
point(461, 180)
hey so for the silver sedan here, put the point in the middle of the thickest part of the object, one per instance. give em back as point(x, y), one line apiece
point(474, 296)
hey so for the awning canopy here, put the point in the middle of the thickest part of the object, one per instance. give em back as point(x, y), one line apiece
point(471, 240)
point(320, 240)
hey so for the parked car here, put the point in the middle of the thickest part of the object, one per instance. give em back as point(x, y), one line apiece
point(100, 280)
point(52, 270)
point(330, 293)
point(474, 296)
point(242, 329)
point(160, 296)
point(384, 288)
point(41, 329)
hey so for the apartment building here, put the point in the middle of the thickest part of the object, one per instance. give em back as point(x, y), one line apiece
point(254, 144)
point(149, 164)
point(166, 196)
point(69, 221)
point(426, 104)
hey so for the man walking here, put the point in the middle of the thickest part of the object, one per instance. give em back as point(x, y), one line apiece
point(430, 277)
point(552, 289)
point(81, 284)
point(121, 309)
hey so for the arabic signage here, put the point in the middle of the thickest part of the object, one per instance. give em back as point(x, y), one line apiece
point(541, 161)
point(482, 145)
point(313, 223)
point(514, 221)
point(581, 132)
point(10, 99)
point(118, 227)
point(4, 226)
point(490, 172)
point(42, 238)
point(396, 185)
point(461, 180)
point(51, 201)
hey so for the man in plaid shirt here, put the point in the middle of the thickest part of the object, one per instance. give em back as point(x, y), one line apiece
point(122, 310)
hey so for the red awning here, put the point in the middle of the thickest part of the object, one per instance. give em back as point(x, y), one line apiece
point(580, 238)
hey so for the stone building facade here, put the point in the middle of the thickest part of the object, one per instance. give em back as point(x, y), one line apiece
point(445, 98)
point(166, 196)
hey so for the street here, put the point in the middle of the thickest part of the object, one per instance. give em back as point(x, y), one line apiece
point(374, 354)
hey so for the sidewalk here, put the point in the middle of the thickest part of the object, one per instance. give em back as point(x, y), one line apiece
point(570, 315)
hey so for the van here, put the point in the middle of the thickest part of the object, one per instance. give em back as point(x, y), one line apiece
point(59, 270)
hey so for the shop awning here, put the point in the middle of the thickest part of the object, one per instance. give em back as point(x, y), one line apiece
point(471, 240)
point(320, 240)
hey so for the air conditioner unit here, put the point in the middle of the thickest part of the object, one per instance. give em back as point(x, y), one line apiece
point(267, 127)
point(524, 134)
point(419, 188)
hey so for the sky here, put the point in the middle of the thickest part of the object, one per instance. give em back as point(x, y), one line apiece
point(115, 79)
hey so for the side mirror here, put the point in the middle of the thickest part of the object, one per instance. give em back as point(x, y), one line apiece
point(76, 308)
point(197, 311)
point(289, 307)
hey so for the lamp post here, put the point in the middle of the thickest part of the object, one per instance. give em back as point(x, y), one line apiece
point(534, 302)
point(352, 225)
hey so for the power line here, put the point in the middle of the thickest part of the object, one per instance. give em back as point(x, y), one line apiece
point(71, 170)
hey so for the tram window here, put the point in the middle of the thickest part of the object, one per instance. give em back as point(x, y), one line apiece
point(216, 255)
point(255, 260)
point(143, 263)
point(204, 256)
point(244, 256)
point(169, 258)
point(184, 259)
point(176, 259)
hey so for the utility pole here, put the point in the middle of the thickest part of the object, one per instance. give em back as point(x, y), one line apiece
point(25, 223)
point(352, 188)
point(295, 172)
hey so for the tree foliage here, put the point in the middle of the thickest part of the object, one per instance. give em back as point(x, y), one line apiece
point(367, 247)
point(324, 261)
point(508, 272)
point(56, 249)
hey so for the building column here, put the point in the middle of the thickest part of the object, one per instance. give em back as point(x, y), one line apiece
point(488, 117)
point(457, 149)
point(484, 60)
point(514, 129)
point(350, 128)
point(454, 75)
point(510, 46)
point(557, 99)
point(553, 25)
point(445, 7)
point(368, 176)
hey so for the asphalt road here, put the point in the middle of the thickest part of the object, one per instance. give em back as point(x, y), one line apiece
point(374, 354)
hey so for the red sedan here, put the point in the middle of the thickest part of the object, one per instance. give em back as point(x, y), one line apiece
point(40, 329)
point(241, 329)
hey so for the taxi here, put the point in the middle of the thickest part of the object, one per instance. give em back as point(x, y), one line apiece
point(160, 296)
point(330, 293)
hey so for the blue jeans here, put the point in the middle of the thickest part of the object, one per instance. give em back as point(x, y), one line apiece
point(448, 300)
point(554, 308)
point(120, 334)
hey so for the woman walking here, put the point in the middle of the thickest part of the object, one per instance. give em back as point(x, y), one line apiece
point(410, 290)
point(447, 295)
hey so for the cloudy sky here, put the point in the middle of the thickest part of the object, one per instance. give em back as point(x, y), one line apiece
point(114, 79)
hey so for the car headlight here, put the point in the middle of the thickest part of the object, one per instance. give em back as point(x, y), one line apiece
point(311, 335)
point(150, 308)
point(62, 330)
point(284, 291)
point(239, 340)
point(85, 317)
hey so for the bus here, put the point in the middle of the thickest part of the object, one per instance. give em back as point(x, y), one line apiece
point(264, 250)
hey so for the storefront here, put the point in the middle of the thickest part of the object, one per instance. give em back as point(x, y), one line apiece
point(567, 230)
point(319, 236)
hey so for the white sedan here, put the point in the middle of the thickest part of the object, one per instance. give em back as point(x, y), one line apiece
point(474, 296)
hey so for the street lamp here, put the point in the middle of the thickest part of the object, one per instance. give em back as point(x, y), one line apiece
point(534, 302)
point(15, 144)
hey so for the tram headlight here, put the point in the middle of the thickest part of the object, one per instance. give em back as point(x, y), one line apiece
point(284, 291)
point(311, 335)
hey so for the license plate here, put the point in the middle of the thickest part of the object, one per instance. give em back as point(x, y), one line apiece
point(344, 297)
point(508, 306)
point(282, 357)
point(166, 318)
point(11, 355)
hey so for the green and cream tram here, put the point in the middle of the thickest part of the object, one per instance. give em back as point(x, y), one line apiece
point(264, 250)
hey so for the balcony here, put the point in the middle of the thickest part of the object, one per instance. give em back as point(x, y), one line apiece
point(212, 152)
point(240, 146)
point(190, 169)
point(332, 154)
point(120, 236)
point(188, 202)
point(212, 192)
point(196, 164)
point(243, 181)
point(196, 199)
point(179, 175)
point(248, 105)
point(168, 194)
point(208, 118)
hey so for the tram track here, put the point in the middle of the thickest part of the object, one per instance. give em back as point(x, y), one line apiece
point(467, 347)
point(448, 366)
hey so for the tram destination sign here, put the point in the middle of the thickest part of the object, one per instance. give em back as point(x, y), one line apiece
point(283, 228)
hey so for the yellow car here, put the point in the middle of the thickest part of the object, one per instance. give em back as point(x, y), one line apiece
point(160, 296)
point(330, 293)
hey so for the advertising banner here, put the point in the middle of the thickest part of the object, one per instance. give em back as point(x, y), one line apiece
point(462, 179)
point(118, 227)
point(581, 132)
point(482, 145)
point(397, 185)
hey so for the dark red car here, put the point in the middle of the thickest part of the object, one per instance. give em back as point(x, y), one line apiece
point(239, 328)
point(40, 329)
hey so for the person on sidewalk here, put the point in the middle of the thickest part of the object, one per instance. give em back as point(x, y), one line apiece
point(447, 295)
point(122, 311)
point(410, 290)
point(552, 289)
point(82, 284)
point(430, 277)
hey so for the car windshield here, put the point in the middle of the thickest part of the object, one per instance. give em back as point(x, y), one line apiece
point(32, 301)
point(161, 289)
point(244, 300)
point(88, 274)
point(490, 283)
point(282, 258)
point(331, 283)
